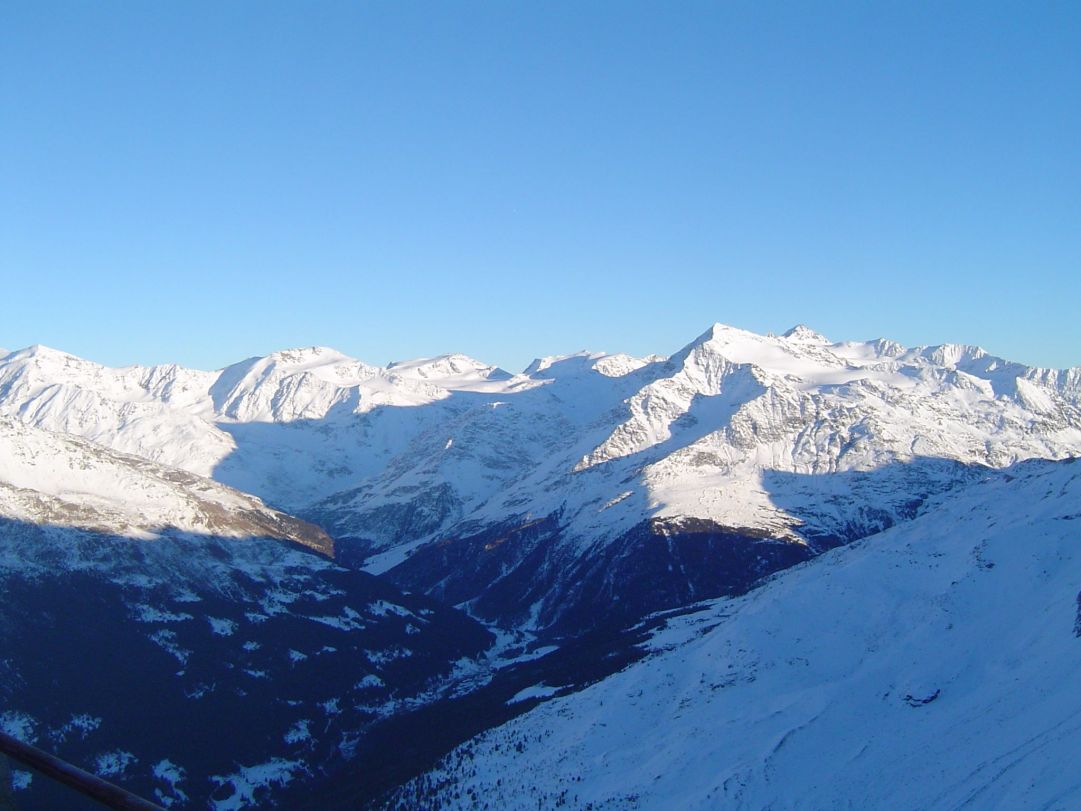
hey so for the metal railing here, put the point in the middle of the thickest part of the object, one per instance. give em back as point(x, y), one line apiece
point(85, 783)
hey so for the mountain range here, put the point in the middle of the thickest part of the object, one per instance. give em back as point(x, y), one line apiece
point(440, 539)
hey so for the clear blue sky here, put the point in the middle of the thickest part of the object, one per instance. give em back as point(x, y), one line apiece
point(201, 182)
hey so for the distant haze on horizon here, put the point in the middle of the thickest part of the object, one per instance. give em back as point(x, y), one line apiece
point(203, 183)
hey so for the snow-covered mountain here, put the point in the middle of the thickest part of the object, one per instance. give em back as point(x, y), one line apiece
point(929, 666)
point(590, 487)
point(739, 455)
point(147, 527)
point(180, 637)
point(291, 427)
point(59, 480)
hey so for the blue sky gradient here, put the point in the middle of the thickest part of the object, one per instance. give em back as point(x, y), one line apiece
point(201, 182)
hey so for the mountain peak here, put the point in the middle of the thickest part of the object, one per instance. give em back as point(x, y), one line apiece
point(717, 334)
point(722, 331)
point(307, 355)
point(41, 357)
point(581, 362)
point(804, 334)
point(448, 368)
point(42, 351)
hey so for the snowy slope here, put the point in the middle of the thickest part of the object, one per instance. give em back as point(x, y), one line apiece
point(930, 666)
point(474, 485)
point(181, 638)
point(737, 436)
point(64, 481)
point(584, 493)
point(290, 427)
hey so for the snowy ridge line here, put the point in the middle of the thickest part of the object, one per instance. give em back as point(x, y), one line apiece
point(470, 484)
point(57, 480)
point(365, 427)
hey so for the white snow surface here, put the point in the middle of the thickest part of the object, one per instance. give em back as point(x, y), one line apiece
point(186, 418)
point(533, 691)
point(425, 449)
point(249, 784)
point(931, 666)
point(60, 480)
point(71, 505)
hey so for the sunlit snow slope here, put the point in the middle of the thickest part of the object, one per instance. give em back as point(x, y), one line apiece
point(930, 666)
point(590, 487)
point(182, 639)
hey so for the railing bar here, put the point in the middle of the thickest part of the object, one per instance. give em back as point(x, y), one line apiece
point(86, 783)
